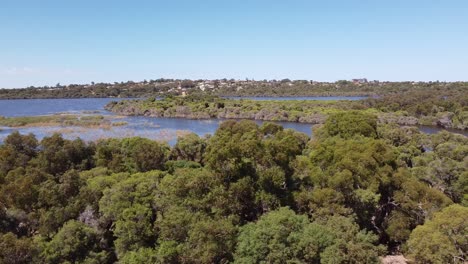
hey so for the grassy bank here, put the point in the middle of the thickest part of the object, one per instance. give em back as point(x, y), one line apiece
point(60, 120)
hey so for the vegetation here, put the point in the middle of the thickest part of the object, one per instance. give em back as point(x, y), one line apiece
point(60, 120)
point(248, 194)
point(225, 87)
point(442, 239)
point(418, 108)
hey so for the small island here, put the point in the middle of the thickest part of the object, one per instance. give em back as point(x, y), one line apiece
point(403, 108)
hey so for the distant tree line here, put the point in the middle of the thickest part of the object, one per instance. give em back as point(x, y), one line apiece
point(225, 87)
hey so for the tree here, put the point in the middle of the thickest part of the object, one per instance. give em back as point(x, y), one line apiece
point(17, 151)
point(24, 144)
point(282, 236)
point(16, 250)
point(21, 188)
point(140, 188)
point(59, 155)
point(443, 239)
point(186, 236)
point(75, 242)
point(134, 229)
point(190, 147)
point(234, 149)
point(242, 152)
point(274, 238)
point(412, 203)
point(351, 123)
point(346, 173)
point(142, 255)
point(131, 154)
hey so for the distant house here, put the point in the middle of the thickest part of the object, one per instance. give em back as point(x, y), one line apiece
point(359, 81)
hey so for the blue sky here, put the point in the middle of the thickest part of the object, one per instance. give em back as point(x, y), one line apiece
point(46, 42)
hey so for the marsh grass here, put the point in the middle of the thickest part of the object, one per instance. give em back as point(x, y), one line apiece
point(65, 120)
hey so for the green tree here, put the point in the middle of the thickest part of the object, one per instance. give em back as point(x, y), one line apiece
point(16, 250)
point(16, 151)
point(139, 188)
point(131, 154)
point(141, 256)
point(233, 150)
point(346, 173)
point(284, 237)
point(414, 202)
point(59, 155)
point(190, 147)
point(349, 124)
point(194, 237)
point(75, 242)
point(21, 188)
point(443, 239)
point(134, 229)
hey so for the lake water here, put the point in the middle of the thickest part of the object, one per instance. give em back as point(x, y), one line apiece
point(165, 129)
point(32, 107)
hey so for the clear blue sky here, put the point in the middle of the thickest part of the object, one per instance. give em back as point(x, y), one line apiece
point(45, 42)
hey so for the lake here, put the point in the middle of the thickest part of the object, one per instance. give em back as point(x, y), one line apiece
point(32, 107)
point(165, 129)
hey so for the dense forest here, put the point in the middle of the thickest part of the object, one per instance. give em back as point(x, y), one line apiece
point(357, 190)
point(231, 87)
point(448, 109)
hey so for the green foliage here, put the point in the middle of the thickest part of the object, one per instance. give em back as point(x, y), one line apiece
point(59, 155)
point(346, 173)
point(416, 202)
point(443, 239)
point(225, 198)
point(141, 256)
point(75, 242)
point(349, 124)
point(16, 250)
point(16, 151)
point(134, 229)
point(139, 188)
point(190, 148)
point(173, 165)
point(242, 152)
point(284, 237)
point(445, 168)
point(131, 154)
point(272, 239)
point(22, 187)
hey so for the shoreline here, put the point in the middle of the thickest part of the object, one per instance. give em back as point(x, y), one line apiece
point(297, 111)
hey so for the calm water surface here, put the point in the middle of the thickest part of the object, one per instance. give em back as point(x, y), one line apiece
point(31, 107)
point(165, 129)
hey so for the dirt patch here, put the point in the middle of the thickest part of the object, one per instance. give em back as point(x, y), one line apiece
point(398, 259)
